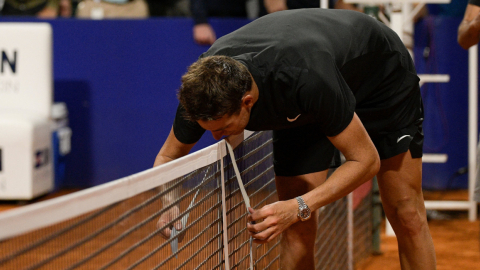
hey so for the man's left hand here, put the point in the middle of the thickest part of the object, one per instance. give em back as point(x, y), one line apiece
point(271, 220)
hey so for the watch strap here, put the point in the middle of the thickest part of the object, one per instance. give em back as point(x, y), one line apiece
point(302, 206)
point(301, 202)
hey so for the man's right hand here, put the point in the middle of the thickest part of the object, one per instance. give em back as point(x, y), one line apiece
point(171, 150)
point(166, 218)
point(476, 22)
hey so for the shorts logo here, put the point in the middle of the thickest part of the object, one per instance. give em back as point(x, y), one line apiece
point(291, 120)
point(403, 137)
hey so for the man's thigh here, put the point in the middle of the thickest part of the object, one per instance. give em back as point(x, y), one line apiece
point(400, 182)
point(289, 187)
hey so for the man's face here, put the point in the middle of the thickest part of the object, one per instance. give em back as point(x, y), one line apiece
point(228, 124)
point(232, 124)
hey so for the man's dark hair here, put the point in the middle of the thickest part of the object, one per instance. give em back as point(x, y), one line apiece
point(213, 87)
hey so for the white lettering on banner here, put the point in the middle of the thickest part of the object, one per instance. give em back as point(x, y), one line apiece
point(3, 184)
point(7, 61)
point(9, 86)
point(8, 70)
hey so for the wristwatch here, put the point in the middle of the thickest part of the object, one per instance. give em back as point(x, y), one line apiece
point(304, 212)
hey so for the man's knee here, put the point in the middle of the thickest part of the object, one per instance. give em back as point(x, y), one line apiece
point(297, 251)
point(300, 234)
point(408, 220)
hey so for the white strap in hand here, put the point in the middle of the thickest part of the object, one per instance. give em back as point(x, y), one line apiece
point(246, 199)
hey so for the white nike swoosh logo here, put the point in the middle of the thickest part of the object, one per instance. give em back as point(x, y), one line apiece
point(403, 137)
point(291, 120)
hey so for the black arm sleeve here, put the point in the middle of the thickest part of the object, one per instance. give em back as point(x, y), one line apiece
point(185, 131)
point(199, 11)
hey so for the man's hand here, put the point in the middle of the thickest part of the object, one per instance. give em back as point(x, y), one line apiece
point(204, 34)
point(271, 220)
point(166, 218)
point(476, 22)
point(469, 29)
point(171, 150)
point(275, 5)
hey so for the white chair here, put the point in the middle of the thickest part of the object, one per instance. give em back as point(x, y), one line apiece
point(26, 90)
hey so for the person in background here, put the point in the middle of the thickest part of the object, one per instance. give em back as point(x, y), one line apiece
point(65, 8)
point(270, 6)
point(453, 9)
point(112, 9)
point(203, 32)
point(40, 8)
point(169, 8)
point(468, 36)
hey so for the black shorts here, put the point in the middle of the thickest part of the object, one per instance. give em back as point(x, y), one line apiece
point(306, 149)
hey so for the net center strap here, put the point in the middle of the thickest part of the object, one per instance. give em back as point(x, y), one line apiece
point(246, 199)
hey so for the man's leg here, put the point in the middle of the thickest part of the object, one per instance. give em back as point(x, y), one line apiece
point(400, 183)
point(298, 241)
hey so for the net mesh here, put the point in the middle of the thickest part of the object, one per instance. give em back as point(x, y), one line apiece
point(128, 234)
point(363, 228)
point(331, 245)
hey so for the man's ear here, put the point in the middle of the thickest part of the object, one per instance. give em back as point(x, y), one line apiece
point(247, 101)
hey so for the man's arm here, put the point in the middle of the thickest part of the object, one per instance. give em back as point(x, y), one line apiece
point(469, 29)
point(171, 150)
point(203, 32)
point(362, 164)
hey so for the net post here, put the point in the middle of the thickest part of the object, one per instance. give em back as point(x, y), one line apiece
point(324, 4)
point(222, 153)
point(472, 128)
point(350, 230)
point(376, 216)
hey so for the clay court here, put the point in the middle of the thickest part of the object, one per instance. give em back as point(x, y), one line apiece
point(456, 242)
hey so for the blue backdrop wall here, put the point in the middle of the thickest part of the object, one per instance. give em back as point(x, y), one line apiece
point(446, 104)
point(119, 80)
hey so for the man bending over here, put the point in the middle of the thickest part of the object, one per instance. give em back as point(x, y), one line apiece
point(320, 79)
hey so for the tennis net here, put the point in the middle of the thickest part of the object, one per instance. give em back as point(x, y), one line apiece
point(116, 225)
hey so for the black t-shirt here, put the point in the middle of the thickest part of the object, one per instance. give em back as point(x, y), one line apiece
point(317, 63)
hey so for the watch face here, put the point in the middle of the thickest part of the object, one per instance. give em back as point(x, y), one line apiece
point(305, 213)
